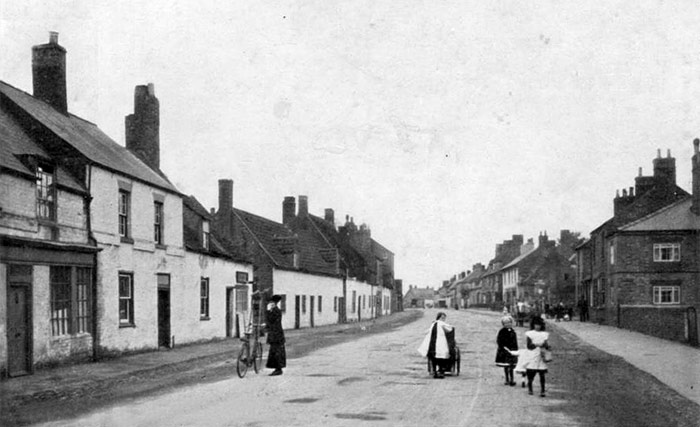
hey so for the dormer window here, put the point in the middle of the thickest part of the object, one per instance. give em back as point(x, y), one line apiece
point(205, 235)
point(45, 193)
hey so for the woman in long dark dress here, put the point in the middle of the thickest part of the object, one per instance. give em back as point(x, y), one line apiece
point(277, 356)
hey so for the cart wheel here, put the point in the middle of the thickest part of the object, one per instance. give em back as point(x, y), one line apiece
point(242, 360)
point(257, 357)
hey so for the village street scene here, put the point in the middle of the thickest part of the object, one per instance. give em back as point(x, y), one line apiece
point(349, 214)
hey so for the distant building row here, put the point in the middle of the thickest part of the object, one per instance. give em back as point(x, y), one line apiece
point(100, 254)
point(519, 272)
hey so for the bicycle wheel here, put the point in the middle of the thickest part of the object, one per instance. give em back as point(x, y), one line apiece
point(258, 354)
point(242, 360)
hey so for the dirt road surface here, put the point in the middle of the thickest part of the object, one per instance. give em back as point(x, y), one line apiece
point(380, 379)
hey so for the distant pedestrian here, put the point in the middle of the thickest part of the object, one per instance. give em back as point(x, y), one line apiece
point(583, 310)
point(277, 357)
point(520, 315)
point(436, 347)
point(537, 342)
point(507, 341)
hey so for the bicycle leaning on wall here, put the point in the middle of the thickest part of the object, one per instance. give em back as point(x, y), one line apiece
point(251, 353)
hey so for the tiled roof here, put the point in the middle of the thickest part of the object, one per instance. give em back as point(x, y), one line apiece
point(420, 293)
point(279, 242)
point(16, 143)
point(474, 275)
point(349, 256)
point(676, 216)
point(87, 138)
point(517, 260)
point(268, 233)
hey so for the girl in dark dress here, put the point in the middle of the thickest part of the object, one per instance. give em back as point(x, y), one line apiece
point(507, 339)
point(277, 357)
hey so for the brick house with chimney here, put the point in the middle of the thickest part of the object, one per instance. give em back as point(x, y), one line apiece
point(299, 266)
point(378, 262)
point(47, 258)
point(366, 266)
point(101, 271)
point(639, 269)
point(535, 276)
point(491, 280)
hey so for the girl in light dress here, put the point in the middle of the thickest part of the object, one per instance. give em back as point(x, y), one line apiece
point(537, 342)
point(530, 359)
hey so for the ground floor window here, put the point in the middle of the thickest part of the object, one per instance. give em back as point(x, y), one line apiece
point(667, 294)
point(320, 303)
point(335, 304)
point(354, 298)
point(303, 303)
point(126, 299)
point(204, 298)
point(70, 299)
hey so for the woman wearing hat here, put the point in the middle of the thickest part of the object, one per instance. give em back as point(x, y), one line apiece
point(277, 357)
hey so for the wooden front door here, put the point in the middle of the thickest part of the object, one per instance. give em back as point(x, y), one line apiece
point(229, 312)
point(297, 312)
point(311, 311)
point(19, 337)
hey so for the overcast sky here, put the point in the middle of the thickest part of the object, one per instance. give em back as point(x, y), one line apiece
point(446, 126)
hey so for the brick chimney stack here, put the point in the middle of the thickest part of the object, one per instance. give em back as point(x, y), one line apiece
point(665, 168)
point(695, 208)
point(289, 209)
point(49, 73)
point(143, 127)
point(225, 196)
point(303, 206)
point(329, 216)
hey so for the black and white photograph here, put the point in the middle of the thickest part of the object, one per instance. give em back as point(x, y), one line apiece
point(349, 213)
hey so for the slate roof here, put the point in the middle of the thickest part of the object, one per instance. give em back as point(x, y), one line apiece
point(86, 138)
point(17, 143)
point(193, 238)
point(676, 216)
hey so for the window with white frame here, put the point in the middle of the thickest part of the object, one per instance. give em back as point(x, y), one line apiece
point(667, 294)
point(124, 207)
point(70, 300)
point(204, 298)
point(612, 253)
point(158, 222)
point(126, 299)
point(205, 235)
point(667, 252)
point(45, 193)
